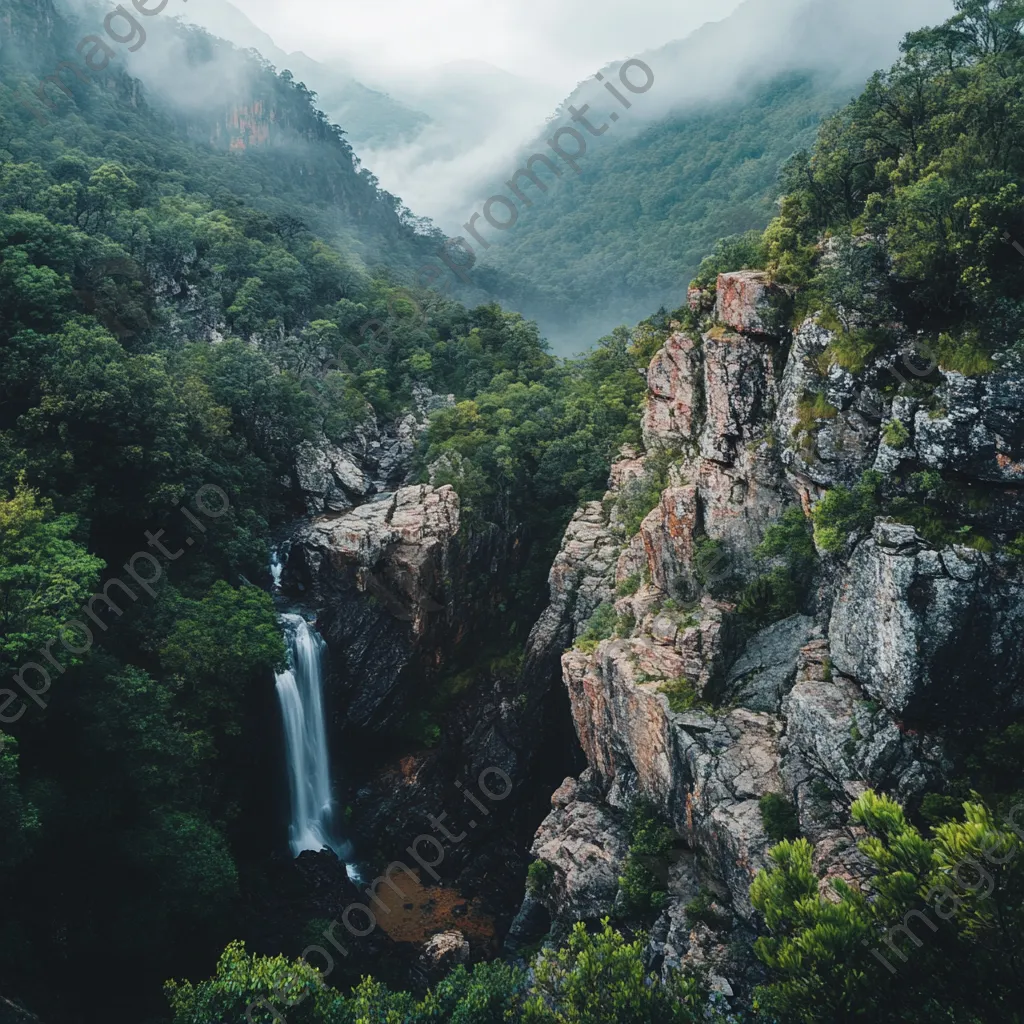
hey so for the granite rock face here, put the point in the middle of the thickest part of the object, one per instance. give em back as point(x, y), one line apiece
point(898, 644)
point(585, 842)
point(375, 459)
point(673, 383)
point(747, 301)
point(929, 634)
point(978, 429)
point(378, 573)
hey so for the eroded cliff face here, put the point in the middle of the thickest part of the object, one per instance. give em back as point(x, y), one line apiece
point(899, 647)
point(421, 691)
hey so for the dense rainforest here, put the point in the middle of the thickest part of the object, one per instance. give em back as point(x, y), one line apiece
point(177, 315)
point(633, 226)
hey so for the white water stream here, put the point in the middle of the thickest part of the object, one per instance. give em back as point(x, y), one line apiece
point(300, 693)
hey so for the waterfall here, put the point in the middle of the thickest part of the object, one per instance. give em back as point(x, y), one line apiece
point(300, 692)
point(276, 570)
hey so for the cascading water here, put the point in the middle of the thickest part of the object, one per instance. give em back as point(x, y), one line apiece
point(300, 693)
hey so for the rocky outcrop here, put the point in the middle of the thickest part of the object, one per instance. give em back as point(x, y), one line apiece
point(931, 635)
point(899, 644)
point(838, 444)
point(975, 428)
point(585, 842)
point(329, 479)
point(380, 575)
point(748, 301)
point(375, 459)
point(673, 383)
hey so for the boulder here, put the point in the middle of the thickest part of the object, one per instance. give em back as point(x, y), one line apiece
point(586, 843)
point(747, 301)
point(929, 634)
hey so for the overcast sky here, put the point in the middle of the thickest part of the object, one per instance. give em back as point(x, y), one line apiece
point(559, 41)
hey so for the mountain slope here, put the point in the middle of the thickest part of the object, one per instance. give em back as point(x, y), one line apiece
point(370, 117)
point(694, 157)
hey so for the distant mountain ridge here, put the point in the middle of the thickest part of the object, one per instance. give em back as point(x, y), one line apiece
point(696, 157)
point(369, 117)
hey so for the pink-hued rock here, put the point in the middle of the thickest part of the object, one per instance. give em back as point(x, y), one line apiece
point(745, 301)
point(700, 300)
point(739, 393)
point(668, 536)
point(669, 413)
point(705, 773)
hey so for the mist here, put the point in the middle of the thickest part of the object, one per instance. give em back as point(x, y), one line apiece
point(487, 80)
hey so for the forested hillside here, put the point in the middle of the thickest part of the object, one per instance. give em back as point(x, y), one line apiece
point(627, 234)
point(696, 156)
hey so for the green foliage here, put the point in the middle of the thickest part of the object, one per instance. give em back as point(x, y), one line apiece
point(811, 410)
point(593, 979)
point(712, 566)
point(642, 885)
point(601, 626)
point(219, 643)
point(916, 176)
point(896, 434)
point(681, 696)
point(45, 576)
point(664, 200)
point(779, 817)
point(640, 496)
point(600, 979)
point(842, 511)
point(630, 585)
point(539, 876)
point(787, 551)
point(952, 899)
point(740, 252)
point(965, 354)
point(251, 987)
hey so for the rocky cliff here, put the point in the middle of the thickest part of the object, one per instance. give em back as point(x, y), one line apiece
point(422, 690)
point(683, 696)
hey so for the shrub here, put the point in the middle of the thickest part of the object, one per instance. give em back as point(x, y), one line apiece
point(770, 597)
point(630, 585)
point(539, 876)
point(681, 695)
point(843, 511)
point(601, 979)
point(711, 566)
point(811, 411)
point(641, 495)
point(625, 624)
point(780, 592)
point(965, 355)
point(601, 626)
point(643, 884)
point(895, 434)
point(739, 252)
point(849, 349)
point(779, 817)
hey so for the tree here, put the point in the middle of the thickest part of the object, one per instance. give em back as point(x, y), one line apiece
point(218, 645)
point(600, 979)
point(45, 575)
point(884, 953)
